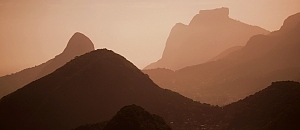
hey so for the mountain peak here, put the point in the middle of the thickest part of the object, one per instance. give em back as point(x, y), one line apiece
point(196, 42)
point(218, 12)
point(213, 15)
point(289, 24)
point(136, 118)
point(79, 43)
point(130, 117)
point(91, 88)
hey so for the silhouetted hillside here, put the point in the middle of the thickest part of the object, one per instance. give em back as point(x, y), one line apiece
point(275, 108)
point(131, 118)
point(91, 88)
point(208, 34)
point(136, 118)
point(10, 83)
point(162, 76)
point(264, 59)
point(78, 45)
point(226, 53)
point(289, 24)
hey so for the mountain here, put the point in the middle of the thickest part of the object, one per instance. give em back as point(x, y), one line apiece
point(162, 77)
point(91, 88)
point(136, 118)
point(275, 108)
point(77, 45)
point(289, 24)
point(264, 59)
point(131, 117)
point(209, 33)
point(225, 53)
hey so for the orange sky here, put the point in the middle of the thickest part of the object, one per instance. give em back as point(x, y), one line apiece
point(33, 32)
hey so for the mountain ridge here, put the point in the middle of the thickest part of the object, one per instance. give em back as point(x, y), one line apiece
point(264, 59)
point(274, 108)
point(81, 45)
point(91, 88)
point(209, 33)
point(77, 45)
point(131, 117)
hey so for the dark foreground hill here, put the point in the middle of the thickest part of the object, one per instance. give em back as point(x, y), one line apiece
point(264, 59)
point(208, 34)
point(130, 117)
point(77, 45)
point(91, 88)
point(275, 108)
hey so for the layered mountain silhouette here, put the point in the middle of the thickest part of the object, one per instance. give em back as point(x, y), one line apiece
point(209, 33)
point(130, 117)
point(91, 88)
point(226, 53)
point(264, 59)
point(275, 108)
point(289, 24)
point(77, 45)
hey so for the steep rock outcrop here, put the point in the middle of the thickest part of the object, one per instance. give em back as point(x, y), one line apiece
point(208, 34)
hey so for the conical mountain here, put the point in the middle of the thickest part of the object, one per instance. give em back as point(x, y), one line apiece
point(264, 59)
point(136, 118)
point(91, 88)
point(130, 117)
point(208, 34)
point(77, 45)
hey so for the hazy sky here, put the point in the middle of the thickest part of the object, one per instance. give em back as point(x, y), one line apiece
point(34, 31)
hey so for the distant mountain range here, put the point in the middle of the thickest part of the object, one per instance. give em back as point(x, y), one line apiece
point(209, 33)
point(226, 53)
point(92, 87)
point(130, 117)
point(83, 86)
point(264, 59)
point(77, 45)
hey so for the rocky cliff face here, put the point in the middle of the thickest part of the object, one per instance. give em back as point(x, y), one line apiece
point(208, 34)
point(213, 15)
point(264, 59)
